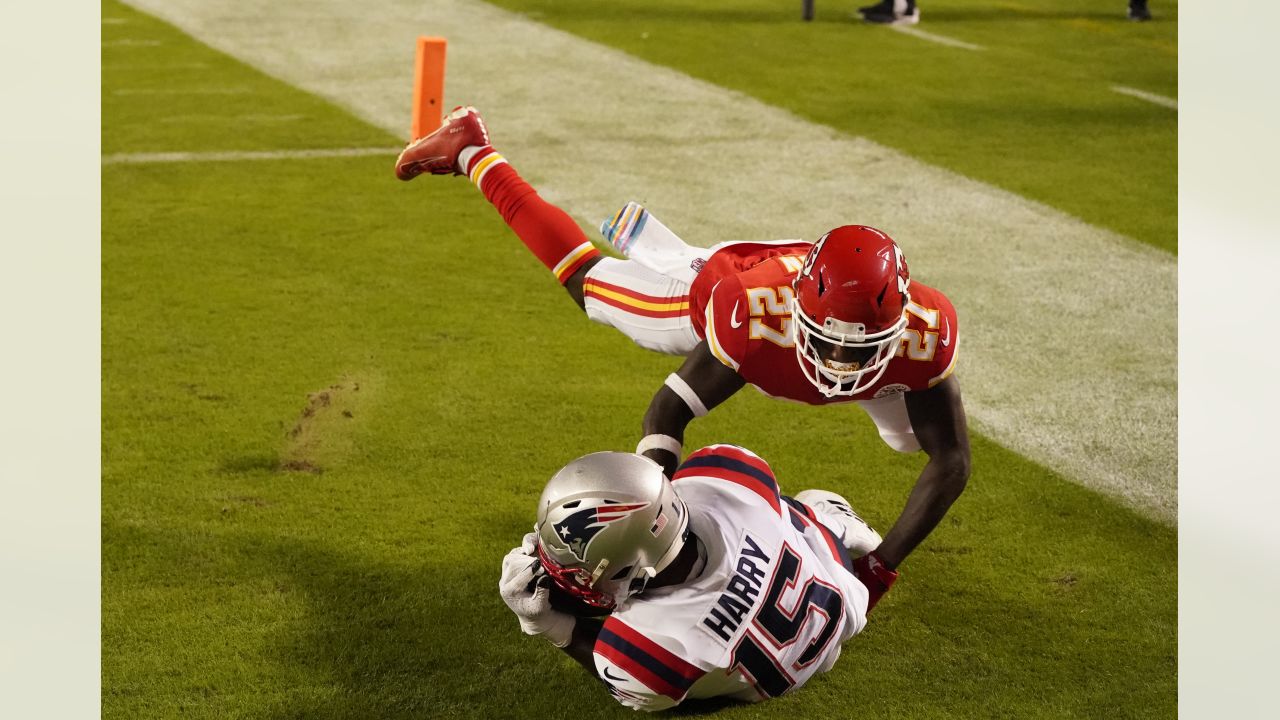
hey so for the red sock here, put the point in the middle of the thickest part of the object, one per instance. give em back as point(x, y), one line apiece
point(545, 229)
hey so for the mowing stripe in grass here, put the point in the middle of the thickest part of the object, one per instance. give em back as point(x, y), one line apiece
point(933, 38)
point(1070, 347)
point(186, 157)
point(260, 118)
point(1149, 97)
point(182, 91)
point(129, 67)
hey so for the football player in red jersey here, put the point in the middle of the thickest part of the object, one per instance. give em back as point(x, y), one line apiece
point(834, 321)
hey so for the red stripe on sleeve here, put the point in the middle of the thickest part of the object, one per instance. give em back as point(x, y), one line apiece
point(749, 458)
point(659, 653)
point(638, 671)
point(738, 478)
point(736, 465)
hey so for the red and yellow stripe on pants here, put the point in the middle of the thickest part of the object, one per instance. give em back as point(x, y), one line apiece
point(646, 306)
point(634, 302)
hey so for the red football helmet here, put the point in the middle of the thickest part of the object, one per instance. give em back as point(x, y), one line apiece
point(848, 309)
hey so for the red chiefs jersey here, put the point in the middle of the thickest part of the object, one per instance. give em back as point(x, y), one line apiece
point(740, 304)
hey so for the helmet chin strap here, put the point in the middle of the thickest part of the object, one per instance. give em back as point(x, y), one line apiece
point(701, 563)
point(595, 576)
point(857, 383)
point(832, 381)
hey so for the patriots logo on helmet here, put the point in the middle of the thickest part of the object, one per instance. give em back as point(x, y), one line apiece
point(577, 529)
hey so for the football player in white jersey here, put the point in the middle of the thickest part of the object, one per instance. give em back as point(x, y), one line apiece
point(714, 583)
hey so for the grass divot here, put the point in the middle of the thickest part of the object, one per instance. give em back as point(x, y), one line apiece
point(323, 433)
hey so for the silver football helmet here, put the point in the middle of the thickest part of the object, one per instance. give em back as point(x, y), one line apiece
point(609, 522)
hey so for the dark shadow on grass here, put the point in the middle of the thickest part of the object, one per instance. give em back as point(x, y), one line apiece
point(249, 464)
point(414, 634)
point(414, 640)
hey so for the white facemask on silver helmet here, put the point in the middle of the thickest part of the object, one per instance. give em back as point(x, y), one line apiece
point(609, 522)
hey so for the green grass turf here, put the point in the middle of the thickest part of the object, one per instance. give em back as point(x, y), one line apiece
point(457, 378)
point(1032, 113)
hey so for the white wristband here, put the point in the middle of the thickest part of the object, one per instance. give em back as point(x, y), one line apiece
point(659, 442)
point(686, 393)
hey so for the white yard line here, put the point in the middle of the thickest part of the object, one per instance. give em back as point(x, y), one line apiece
point(1070, 348)
point(1160, 100)
point(235, 156)
point(931, 37)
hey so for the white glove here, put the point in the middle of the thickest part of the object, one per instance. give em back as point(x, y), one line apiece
point(526, 589)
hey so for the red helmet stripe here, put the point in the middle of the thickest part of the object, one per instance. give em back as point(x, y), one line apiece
point(609, 513)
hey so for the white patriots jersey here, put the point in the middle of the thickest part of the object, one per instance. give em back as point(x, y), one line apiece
point(770, 609)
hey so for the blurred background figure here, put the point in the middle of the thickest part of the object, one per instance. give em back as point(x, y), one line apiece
point(898, 12)
point(905, 12)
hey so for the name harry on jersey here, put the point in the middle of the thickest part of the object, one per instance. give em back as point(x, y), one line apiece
point(741, 593)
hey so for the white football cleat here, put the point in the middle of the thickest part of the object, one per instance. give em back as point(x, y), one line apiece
point(857, 537)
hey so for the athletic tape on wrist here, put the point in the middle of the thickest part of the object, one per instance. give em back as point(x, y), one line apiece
point(659, 442)
point(686, 393)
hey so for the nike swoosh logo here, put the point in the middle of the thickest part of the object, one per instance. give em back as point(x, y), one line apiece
point(613, 677)
point(946, 341)
point(734, 322)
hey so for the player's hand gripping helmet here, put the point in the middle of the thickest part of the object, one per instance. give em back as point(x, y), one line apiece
point(609, 522)
point(848, 309)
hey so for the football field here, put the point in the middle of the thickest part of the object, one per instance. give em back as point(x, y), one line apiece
point(330, 398)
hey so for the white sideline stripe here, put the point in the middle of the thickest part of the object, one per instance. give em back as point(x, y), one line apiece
point(1160, 100)
point(931, 37)
point(237, 155)
point(1077, 372)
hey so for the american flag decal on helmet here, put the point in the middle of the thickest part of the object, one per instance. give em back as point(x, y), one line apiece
point(659, 524)
point(577, 529)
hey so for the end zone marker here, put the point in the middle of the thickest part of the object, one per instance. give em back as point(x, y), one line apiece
point(428, 86)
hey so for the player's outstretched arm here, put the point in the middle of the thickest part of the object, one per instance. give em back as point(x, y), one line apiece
point(700, 384)
point(938, 419)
